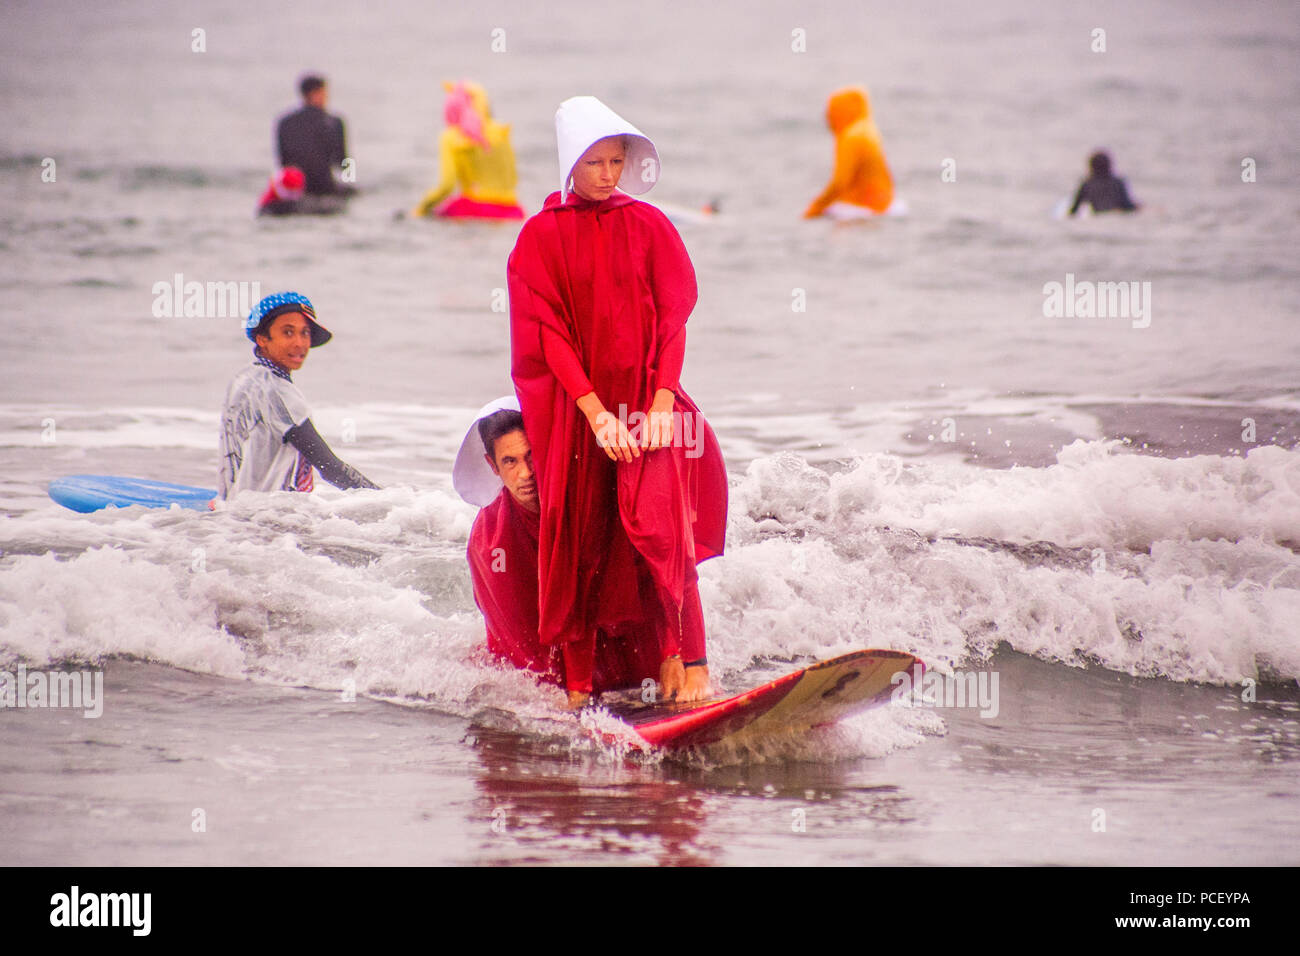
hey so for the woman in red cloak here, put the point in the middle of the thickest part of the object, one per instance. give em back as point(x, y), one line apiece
point(632, 484)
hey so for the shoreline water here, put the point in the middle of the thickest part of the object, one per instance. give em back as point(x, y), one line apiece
point(1183, 775)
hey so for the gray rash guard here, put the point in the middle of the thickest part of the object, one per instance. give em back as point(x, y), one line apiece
point(267, 438)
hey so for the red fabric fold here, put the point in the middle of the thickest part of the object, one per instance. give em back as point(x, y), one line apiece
point(668, 372)
point(502, 555)
point(565, 365)
point(617, 542)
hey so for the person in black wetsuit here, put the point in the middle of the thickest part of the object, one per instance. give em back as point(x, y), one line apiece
point(313, 140)
point(268, 441)
point(1103, 190)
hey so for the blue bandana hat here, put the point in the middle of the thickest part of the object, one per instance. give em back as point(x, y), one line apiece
point(278, 304)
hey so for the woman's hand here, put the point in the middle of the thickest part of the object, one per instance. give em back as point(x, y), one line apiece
point(611, 434)
point(658, 431)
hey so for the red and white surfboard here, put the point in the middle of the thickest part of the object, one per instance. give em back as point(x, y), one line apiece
point(821, 693)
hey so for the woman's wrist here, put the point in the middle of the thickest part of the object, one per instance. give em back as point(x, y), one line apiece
point(590, 405)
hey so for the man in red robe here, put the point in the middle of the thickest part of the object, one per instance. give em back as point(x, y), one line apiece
point(600, 290)
point(502, 555)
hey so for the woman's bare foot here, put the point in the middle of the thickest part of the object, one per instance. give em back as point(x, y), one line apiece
point(696, 685)
point(578, 699)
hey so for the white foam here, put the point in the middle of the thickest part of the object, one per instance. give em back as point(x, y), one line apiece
point(1174, 568)
point(1171, 568)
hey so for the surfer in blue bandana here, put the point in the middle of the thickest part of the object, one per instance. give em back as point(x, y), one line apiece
point(268, 442)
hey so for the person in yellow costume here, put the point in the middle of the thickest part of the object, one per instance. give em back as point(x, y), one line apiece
point(476, 159)
point(861, 177)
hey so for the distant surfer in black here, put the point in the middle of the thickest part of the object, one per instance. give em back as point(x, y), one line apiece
point(1102, 190)
point(313, 140)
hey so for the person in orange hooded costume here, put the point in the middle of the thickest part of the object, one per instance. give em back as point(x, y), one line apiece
point(861, 177)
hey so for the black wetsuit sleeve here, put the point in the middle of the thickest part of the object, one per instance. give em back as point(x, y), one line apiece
point(340, 147)
point(1125, 200)
point(281, 143)
point(337, 472)
point(1078, 197)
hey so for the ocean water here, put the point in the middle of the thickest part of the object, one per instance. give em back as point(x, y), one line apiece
point(1105, 512)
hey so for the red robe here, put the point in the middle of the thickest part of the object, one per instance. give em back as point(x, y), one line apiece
point(502, 557)
point(610, 285)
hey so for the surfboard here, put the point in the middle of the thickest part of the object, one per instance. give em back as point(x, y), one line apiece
point(680, 215)
point(1062, 209)
point(464, 208)
point(87, 493)
point(847, 212)
point(821, 693)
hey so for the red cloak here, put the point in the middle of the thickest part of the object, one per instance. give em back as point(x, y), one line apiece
point(613, 282)
point(502, 557)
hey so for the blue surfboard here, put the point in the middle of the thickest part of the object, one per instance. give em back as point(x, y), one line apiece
point(86, 493)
